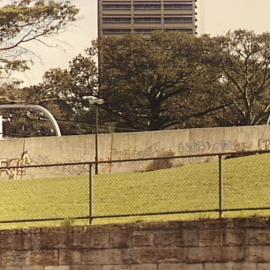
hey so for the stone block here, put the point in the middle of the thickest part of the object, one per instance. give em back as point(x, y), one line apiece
point(30, 241)
point(144, 267)
point(90, 239)
point(192, 225)
point(215, 254)
point(258, 254)
point(251, 223)
point(213, 224)
point(263, 266)
point(57, 267)
point(57, 238)
point(166, 238)
point(15, 258)
point(35, 267)
point(151, 255)
point(230, 266)
point(102, 257)
point(43, 257)
point(190, 237)
point(86, 267)
point(180, 266)
point(69, 257)
point(233, 237)
point(116, 267)
point(10, 268)
point(257, 237)
point(11, 241)
point(140, 239)
point(119, 238)
point(210, 238)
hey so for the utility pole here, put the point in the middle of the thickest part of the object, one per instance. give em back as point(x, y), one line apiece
point(95, 102)
point(1, 127)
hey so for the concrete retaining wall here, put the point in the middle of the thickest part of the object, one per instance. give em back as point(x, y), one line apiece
point(202, 245)
point(138, 144)
point(134, 145)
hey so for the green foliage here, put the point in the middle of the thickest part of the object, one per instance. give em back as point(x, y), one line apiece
point(21, 22)
point(151, 84)
point(167, 80)
point(26, 21)
point(62, 90)
point(245, 84)
point(147, 84)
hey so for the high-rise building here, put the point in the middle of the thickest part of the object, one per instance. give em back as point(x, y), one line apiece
point(118, 17)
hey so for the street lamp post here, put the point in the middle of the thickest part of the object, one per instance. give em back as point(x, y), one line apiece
point(96, 102)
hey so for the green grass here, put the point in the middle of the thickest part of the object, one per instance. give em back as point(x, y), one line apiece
point(186, 188)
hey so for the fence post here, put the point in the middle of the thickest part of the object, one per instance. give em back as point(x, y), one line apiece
point(90, 193)
point(220, 176)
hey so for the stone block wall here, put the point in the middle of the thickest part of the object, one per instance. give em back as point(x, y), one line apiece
point(239, 244)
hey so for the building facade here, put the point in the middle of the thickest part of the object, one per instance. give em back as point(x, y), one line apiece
point(118, 17)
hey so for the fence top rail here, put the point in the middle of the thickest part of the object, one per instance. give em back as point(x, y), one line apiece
point(90, 163)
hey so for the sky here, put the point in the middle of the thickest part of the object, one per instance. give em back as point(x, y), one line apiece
point(215, 17)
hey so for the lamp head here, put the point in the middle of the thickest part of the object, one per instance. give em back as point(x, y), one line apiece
point(93, 100)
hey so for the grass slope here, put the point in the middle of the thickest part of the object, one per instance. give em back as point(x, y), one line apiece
point(187, 188)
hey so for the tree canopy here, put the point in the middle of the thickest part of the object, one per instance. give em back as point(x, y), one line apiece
point(168, 80)
point(138, 76)
point(147, 84)
point(24, 21)
point(245, 76)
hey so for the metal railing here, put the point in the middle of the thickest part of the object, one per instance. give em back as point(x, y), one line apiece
point(208, 185)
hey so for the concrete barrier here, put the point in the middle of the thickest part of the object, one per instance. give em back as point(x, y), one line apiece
point(115, 146)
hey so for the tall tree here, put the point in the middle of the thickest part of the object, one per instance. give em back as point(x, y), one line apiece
point(157, 82)
point(24, 21)
point(245, 81)
point(169, 80)
point(62, 90)
point(147, 84)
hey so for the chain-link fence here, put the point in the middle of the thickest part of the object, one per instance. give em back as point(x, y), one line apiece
point(139, 189)
point(246, 182)
point(44, 193)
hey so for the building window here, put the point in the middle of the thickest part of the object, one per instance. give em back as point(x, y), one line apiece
point(117, 20)
point(178, 20)
point(144, 30)
point(116, 7)
point(190, 31)
point(178, 6)
point(147, 20)
point(147, 6)
point(116, 31)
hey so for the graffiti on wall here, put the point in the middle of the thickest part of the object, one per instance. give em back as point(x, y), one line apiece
point(127, 153)
point(186, 148)
point(213, 147)
point(264, 144)
point(14, 172)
